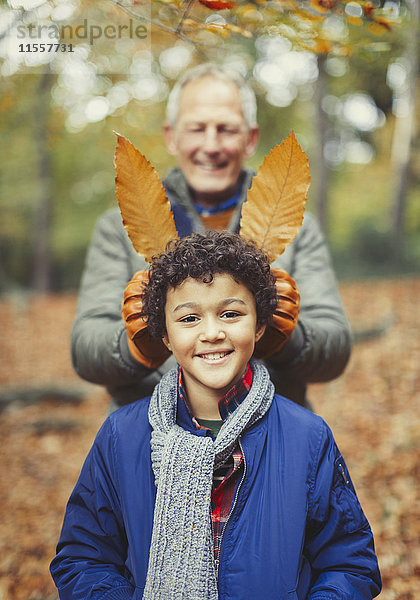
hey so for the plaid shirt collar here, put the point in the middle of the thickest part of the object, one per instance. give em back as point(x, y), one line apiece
point(226, 478)
point(227, 403)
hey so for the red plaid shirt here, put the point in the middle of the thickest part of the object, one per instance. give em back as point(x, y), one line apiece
point(226, 477)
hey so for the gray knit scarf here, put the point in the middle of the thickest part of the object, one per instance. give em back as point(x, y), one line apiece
point(181, 564)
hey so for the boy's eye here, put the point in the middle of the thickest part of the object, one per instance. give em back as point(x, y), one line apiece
point(231, 314)
point(189, 319)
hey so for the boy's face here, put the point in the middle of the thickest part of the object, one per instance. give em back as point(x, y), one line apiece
point(211, 328)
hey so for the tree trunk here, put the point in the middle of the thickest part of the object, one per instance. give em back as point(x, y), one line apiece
point(42, 216)
point(322, 173)
point(403, 137)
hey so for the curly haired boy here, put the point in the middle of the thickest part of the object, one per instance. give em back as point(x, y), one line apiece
point(215, 487)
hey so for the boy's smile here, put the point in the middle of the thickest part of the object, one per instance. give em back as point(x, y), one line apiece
point(211, 328)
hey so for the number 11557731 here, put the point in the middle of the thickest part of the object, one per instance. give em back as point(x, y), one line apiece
point(38, 47)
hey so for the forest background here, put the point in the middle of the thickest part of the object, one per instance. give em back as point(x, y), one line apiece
point(344, 75)
point(344, 78)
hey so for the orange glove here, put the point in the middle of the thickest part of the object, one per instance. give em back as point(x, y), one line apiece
point(285, 316)
point(148, 351)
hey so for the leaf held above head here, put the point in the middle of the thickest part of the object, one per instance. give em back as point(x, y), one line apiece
point(144, 206)
point(273, 212)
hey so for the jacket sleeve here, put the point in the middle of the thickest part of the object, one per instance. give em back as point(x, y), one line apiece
point(319, 347)
point(339, 542)
point(89, 564)
point(99, 343)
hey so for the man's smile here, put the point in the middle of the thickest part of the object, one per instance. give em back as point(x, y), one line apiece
point(210, 166)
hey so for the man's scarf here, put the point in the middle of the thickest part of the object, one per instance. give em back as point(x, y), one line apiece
point(181, 563)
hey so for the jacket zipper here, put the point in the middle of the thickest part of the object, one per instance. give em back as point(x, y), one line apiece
point(217, 562)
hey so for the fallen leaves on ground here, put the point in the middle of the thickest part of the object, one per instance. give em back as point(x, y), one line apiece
point(373, 410)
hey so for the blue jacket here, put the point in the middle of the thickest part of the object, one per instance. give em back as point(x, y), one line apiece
point(296, 530)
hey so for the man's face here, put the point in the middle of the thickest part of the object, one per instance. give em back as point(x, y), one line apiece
point(211, 328)
point(211, 138)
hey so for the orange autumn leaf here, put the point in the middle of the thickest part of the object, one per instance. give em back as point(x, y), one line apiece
point(354, 20)
point(323, 6)
point(239, 30)
point(273, 212)
point(219, 29)
point(217, 4)
point(382, 22)
point(323, 47)
point(271, 216)
point(144, 206)
point(368, 8)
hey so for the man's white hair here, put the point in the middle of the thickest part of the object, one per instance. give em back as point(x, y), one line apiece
point(222, 72)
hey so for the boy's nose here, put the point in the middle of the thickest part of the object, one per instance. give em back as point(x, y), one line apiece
point(212, 331)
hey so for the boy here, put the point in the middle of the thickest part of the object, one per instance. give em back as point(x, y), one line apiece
point(215, 488)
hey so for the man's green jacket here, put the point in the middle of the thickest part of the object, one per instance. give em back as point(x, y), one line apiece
point(317, 350)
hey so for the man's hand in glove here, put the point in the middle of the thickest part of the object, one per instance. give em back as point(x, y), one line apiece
point(146, 350)
point(285, 316)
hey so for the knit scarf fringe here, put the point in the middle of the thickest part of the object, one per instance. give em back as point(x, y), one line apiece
point(181, 564)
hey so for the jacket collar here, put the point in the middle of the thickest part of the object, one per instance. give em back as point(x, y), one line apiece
point(179, 194)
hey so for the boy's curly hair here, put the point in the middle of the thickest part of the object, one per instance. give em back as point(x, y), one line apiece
point(201, 256)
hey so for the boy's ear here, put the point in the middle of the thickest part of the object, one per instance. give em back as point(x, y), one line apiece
point(165, 340)
point(259, 332)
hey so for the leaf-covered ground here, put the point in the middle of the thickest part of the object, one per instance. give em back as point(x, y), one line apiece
point(46, 431)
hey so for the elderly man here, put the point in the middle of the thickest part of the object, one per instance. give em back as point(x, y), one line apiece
point(211, 128)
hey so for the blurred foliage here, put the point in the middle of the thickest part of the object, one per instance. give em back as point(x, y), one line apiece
point(82, 144)
point(302, 22)
point(360, 213)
